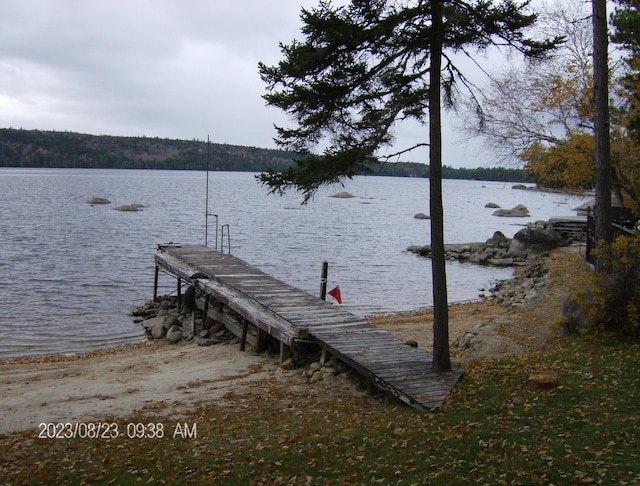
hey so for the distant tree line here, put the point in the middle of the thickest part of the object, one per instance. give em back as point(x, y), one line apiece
point(414, 169)
point(51, 149)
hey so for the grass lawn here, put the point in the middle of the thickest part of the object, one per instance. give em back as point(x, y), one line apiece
point(492, 430)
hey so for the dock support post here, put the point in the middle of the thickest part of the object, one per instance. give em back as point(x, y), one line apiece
point(205, 311)
point(155, 284)
point(284, 352)
point(260, 340)
point(243, 339)
point(179, 292)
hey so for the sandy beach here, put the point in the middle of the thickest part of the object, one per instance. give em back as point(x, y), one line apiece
point(115, 383)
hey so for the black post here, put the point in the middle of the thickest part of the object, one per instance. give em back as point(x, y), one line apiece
point(155, 284)
point(179, 292)
point(323, 280)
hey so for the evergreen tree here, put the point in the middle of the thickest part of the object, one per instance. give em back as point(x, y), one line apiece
point(626, 23)
point(364, 67)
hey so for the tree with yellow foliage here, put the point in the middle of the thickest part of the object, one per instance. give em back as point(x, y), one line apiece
point(541, 115)
point(566, 164)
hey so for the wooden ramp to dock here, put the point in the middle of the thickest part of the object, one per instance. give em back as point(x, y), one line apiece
point(289, 314)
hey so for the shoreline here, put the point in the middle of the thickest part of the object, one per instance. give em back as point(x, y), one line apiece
point(121, 348)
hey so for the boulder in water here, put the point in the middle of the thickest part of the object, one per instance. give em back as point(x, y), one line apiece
point(519, 211)
point(343, 195)
point(98, 200)
point(129, 207)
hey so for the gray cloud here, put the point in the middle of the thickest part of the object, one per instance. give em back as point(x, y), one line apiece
point(166, 68)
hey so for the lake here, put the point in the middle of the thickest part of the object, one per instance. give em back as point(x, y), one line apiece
point(71, 272)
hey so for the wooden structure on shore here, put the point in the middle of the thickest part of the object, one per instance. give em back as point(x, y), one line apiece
point(570, 227)
point(289, 314)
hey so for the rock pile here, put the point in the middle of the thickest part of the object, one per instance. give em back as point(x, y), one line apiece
point(162, 320)
point(526, 245)
point(523, 288)
point(316, 371)
point(494, 251)
point(512, 293)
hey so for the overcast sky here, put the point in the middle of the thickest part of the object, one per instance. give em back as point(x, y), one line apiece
point(180, 69)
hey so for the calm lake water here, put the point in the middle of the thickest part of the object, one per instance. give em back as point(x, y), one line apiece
point(71, 272)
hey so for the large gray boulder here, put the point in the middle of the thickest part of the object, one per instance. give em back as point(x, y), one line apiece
point(499, 240)
point(174, 334)
point(158, 331)
point(534, 241)
point(158, 326)
point(163, 321)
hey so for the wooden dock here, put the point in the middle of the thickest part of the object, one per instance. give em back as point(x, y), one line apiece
point(289, 314)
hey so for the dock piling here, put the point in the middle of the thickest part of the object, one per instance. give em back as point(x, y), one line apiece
point(155, 284)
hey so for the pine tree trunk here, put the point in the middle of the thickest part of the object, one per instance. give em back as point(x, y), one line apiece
point(441, 357)
point(604, 232)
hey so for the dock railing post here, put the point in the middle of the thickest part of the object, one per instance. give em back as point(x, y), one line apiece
point(323, 280)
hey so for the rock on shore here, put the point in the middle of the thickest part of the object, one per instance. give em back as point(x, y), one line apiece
point(526, 245)
point(523, 288)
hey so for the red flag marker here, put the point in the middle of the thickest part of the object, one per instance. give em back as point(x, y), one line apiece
point(335, 293)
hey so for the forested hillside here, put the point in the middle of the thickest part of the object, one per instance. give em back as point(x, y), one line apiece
point(37, 148)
